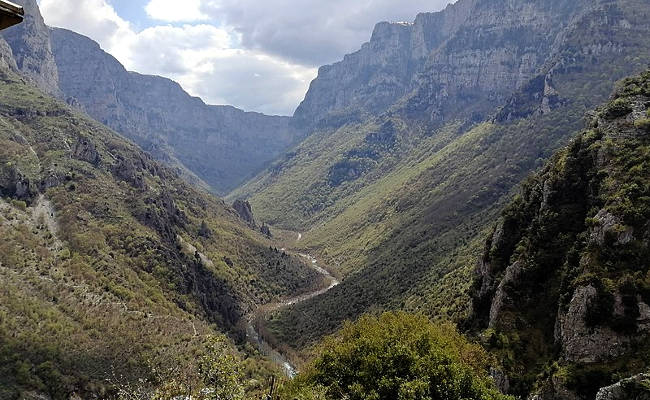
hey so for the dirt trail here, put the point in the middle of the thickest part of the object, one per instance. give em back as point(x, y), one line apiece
point(43, 213)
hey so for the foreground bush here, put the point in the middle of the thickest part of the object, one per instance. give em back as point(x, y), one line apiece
point(396, 356)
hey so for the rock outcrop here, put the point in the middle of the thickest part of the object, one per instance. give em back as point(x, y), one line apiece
point(635, 388)
point(85, 150)
point(31, 47)
point(245, 212)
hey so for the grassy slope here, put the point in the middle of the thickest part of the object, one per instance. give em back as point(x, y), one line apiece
point(407, 232)
point(109, 278)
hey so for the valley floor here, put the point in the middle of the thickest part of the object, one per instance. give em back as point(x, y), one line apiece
point(256, 331)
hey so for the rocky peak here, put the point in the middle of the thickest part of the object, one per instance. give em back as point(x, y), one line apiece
point(245, 211)
point(31, 47)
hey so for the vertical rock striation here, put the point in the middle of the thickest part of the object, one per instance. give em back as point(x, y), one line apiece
point(30, 44)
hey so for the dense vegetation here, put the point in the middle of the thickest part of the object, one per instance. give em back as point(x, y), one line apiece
point(397, 356)
point(393, 356)
point(565, 277)
point(111, 266)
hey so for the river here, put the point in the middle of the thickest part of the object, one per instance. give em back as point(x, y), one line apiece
point(265, 348)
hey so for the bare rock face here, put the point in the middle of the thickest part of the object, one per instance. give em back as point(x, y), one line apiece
point(634, 388)
point(7, 60)
point(220, 145)
point(85, 150)
point(584, 344)
point(31, 47)
point(245, 212)
point(501, 298)
point(475, 52)
point(382, 71)
point(13, 183)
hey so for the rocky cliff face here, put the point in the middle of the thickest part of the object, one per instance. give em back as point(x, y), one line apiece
point(471, 55)
point(563, 282)
point(245, 212)
point(382, 71)
point(30, 44)
point(220, 144)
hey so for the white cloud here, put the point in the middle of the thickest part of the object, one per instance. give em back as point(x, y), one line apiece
point(313, 32)
point(203, 58)
point(93, 18)
point(253, 54)
point(203, 61)
point(175, 11)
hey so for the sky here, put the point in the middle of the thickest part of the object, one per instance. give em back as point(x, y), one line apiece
point(258, 55)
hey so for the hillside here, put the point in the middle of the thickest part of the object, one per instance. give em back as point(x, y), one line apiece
point(561, 292)
point(218, 147)
point(111, 265)
point(397, 199)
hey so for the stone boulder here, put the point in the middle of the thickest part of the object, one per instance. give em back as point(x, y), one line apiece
point(245, 212)
point(634, 388)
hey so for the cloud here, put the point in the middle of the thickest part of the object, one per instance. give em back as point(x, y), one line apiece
point(202, 59)
point(256, 55)
point(93, 18)
point(312, 32)
point(174, 11)
point(206, 60)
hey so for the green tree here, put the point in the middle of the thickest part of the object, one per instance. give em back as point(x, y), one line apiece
point(221, 372)
point(220, 376)
point(400, 356)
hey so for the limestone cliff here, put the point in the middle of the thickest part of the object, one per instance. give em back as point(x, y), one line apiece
point(470, 56)
point(221, 145)
point(562, 287)
point(30, 44)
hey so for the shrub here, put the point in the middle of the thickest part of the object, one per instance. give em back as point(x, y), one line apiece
point(400, 356)
point(19, 204)
point(618, 108)
point(643, 124)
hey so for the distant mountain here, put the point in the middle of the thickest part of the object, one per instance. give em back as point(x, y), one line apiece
point(396, 195)
point(218, 147)
point(561, 292)
point(222, 145)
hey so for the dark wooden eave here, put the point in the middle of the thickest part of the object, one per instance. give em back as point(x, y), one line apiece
point(10, 14)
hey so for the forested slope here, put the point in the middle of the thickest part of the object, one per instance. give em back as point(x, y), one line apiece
point(561, 291)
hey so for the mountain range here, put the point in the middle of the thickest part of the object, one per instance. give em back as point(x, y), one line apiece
point(453, 166)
